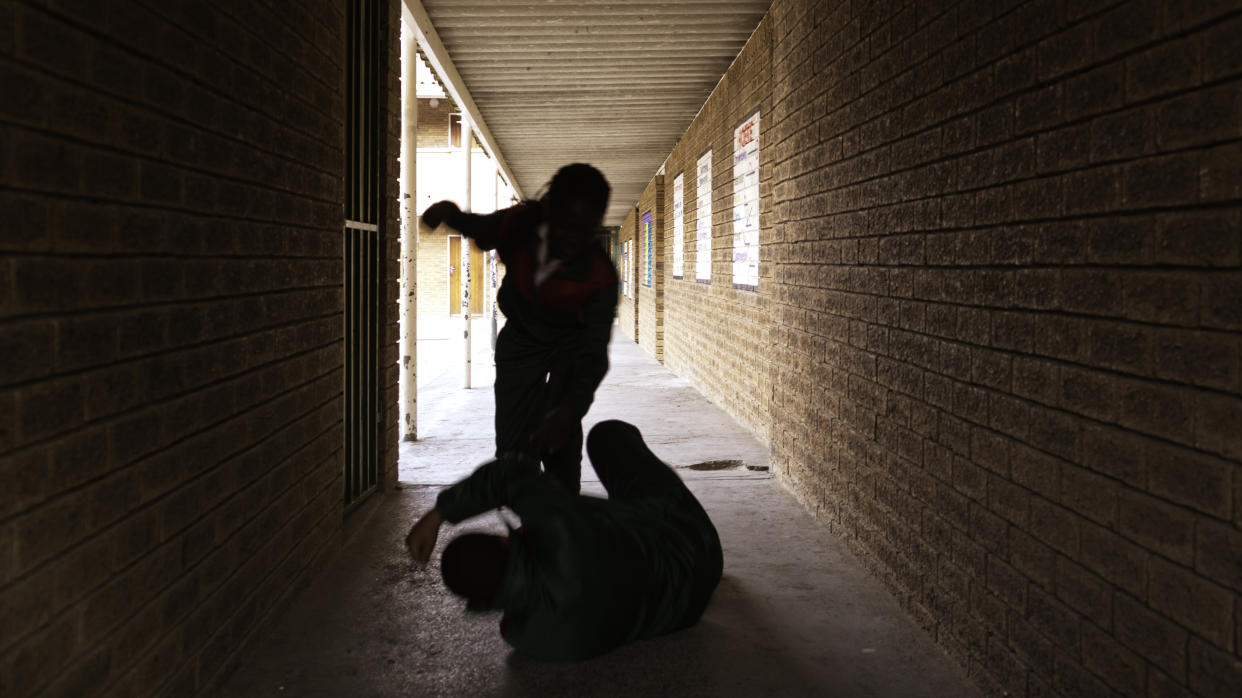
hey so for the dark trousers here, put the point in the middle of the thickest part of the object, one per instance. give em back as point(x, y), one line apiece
point(530, 382)
point(629, 470)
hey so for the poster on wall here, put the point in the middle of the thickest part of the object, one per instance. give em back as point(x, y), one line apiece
point(647, 243)
point(703, 226)
point(625, 268)
point(746, 204)
point(679, 228)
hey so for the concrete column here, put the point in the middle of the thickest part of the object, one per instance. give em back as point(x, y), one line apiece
point(467, 141)
point(408, 381)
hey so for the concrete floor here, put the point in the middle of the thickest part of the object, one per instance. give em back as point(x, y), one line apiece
point(795, 615)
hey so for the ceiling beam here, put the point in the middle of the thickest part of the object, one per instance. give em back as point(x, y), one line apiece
point(415, 15)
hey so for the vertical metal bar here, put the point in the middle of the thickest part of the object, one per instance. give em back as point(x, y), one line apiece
point(349, 359)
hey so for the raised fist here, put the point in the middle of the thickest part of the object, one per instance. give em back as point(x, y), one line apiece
point(438, 212)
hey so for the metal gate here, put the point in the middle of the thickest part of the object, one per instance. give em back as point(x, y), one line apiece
point(363, 250)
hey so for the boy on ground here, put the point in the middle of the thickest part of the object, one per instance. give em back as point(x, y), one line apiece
point(583, 575)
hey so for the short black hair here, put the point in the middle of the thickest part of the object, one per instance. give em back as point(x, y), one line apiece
point(579, 182)
point(473, 566)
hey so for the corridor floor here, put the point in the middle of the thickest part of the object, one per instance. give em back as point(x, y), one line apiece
point(795, 614)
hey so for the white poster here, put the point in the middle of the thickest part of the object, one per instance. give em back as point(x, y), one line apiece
point(746, 204)
point(679, 228)
point(703, 226)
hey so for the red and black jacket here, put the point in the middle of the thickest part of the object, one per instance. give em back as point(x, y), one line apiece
point(573, 308)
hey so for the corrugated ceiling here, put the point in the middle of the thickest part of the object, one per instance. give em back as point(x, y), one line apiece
point(613, 83)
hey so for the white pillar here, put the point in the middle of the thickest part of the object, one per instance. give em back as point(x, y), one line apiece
point(407, 383)
point(467, 141)
point(491, 258)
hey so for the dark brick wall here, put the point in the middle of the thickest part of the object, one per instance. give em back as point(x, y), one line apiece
point(171, 317)
point(1001, 296)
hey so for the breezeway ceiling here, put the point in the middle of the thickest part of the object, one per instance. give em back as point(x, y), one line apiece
point(611, 83)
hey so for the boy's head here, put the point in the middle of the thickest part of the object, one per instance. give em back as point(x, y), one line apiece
point(473, 567)
point(575, 204)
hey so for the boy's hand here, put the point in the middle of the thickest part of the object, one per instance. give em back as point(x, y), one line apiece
point(422, 537)
point(439, 212)
point(554, 431)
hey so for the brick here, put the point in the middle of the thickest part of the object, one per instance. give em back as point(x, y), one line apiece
point(1038, 110)
point(30, 349)
point(1214, 673)
point(1197, 604)
point(1091, 495)
point(1063, 149)
point(1201, 117)
point(1162, 298)
point(1127, 240)
point(1165, 68)
point(1199, 238)
point(1184, 15)
point(1157, 639)
point(1006, 583)
point(1073, 680)
point(1221, 53)
point(1216, 420)
point(1169, 180)
point(1096, 190)
point(1095, 91)
point(1220, 174)
point(1183, 476)
point(1123, 135)
point(1036, 471)
point(1197, 358)
point(1084, 592)
point(1105, 657)
point(1218, 552)
point(1033, 559)
point(1160, 685)
point(1118, 346)
point(1114, 559)
point(1036, 379)
point(1091, 291)
point(1055, 526)
point(1129, 26)
point(1222, 300)
point(1157, 526)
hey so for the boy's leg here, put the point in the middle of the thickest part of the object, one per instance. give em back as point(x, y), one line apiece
point(566, 464)
point(521, 383)
point(626, 467)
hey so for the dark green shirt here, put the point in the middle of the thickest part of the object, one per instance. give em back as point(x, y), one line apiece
point(587, 574)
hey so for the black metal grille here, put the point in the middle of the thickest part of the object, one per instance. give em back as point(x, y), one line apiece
point(363, 247)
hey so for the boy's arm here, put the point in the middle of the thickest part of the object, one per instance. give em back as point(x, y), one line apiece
point(490, 486)
point(484, 229)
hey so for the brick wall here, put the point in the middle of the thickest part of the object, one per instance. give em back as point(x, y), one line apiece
point(651, 298)
point(433, 273)
point(171, 312)
point(1000, 283)
point(390, 230)
point(433, 123)
point(714, 334)
point(627, 309)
